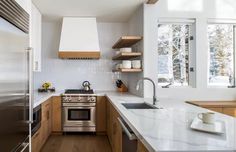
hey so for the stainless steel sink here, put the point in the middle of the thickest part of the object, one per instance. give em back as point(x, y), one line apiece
point(138, 106)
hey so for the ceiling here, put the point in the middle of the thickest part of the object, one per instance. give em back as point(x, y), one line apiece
point(104, 10)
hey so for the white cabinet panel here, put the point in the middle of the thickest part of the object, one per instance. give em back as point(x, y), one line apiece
point(35, 37)
point(25, 4)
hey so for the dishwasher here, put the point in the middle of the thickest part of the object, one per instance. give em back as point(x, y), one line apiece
point(129, 139)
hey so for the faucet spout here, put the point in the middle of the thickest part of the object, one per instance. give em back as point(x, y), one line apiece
point(154, 88)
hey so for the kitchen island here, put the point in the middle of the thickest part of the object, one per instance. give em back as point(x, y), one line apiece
point(168, 129)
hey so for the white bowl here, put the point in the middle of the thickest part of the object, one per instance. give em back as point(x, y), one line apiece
point(126, 64)
point(136, 64)
point(126, 50)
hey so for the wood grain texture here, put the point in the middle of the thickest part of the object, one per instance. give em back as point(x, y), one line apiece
point(127, 56)
point(56, 114)
point(214, 104)
point(152, 1)
point(126, 41)
point(230, 111)
point(141, 147)
point(101, 114)
point(220, 110)
point(77, 143)
point(79, 55)
point(128, 70)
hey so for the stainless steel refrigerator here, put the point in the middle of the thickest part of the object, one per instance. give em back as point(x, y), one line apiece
point(14, 77)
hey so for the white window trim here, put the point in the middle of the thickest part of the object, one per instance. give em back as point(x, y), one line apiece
point(191, 22)
point(221, 21)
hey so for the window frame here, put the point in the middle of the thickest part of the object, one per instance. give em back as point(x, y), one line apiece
point(221, 22)
point(191, 52)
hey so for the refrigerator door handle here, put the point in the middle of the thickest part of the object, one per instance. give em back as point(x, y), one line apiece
point(29, 51)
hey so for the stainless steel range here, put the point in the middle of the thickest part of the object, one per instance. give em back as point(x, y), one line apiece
point(79, 111)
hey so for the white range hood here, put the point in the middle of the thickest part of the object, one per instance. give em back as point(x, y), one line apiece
point(79, 39)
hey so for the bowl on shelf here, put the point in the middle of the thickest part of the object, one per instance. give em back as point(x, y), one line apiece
point(126, 50)
point(126, 64)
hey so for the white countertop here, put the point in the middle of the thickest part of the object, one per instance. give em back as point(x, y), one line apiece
point(166, 129)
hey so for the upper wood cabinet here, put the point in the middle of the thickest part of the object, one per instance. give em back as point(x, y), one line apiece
point(56, 114)
point(25, 4)
point(35, 37)
point(230, 111)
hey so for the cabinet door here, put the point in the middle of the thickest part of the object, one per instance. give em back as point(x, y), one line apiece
point(109, 122)
point(116, 132)
point(36, 141)
point(141, 147)
point(46, 120)
point(230, 111)
point(101, 114)
point(35, 37)
point(56, 114)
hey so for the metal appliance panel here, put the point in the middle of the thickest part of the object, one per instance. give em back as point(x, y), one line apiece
point(78, 123)
point(14, 86)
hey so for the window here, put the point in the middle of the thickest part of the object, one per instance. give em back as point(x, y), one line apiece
point(174, 49)
point(221, 45)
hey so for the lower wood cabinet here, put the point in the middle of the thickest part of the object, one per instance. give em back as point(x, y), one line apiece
point(101, 113)
point(56, 114)
point(230, 111)
point(141, 147)
point(224, 110)
point(114, 130)
point(41, 136)
point(36, 141)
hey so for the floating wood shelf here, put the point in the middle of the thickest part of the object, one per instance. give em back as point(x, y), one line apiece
point(128, 70)
point(126, 56)
point(126, 41)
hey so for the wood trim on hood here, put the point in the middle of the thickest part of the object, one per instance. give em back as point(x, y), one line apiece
point(79, 55)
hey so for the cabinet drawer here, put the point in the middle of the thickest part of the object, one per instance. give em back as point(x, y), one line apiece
point(46, 110)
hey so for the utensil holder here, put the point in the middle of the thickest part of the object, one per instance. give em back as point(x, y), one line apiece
point(123, 88)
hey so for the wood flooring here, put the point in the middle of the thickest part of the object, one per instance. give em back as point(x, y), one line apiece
point(77, 143)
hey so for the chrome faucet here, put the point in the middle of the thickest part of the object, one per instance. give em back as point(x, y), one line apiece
point(154, 88)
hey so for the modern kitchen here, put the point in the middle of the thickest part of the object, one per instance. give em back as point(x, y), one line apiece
point(117, 76)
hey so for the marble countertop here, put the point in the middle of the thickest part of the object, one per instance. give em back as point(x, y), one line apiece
point(166, 129)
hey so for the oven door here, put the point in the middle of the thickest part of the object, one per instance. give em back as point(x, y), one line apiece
point(79, 116)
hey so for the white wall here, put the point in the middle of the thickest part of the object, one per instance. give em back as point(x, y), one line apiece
point(135, 26)
point(200, 10)
point(71, 73)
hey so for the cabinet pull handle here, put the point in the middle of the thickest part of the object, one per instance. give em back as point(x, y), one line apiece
point(131, 136)
point(47, 115)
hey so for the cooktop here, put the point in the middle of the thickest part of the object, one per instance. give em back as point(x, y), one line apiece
point(78, 91)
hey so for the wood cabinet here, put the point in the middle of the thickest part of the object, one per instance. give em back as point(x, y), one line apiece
point(36, 141)
point(141, 147)
point(114, 130)
point(35, 37)
point(230, 111)
point(101, 120)
point(46, 122)
point(220, 110)
point(56, 114)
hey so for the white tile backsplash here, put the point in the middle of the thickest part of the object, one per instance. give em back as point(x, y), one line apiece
point(71, 73)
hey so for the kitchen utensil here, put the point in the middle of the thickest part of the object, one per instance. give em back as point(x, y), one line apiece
point(119, 83)
point(126, 64)
point(218, 127)
point(86, 85)
point(208, 117)
point(136, 64)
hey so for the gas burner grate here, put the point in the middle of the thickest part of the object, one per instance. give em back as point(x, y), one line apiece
point(78, 91)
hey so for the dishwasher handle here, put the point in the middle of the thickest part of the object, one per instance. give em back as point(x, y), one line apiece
point(131, 136)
